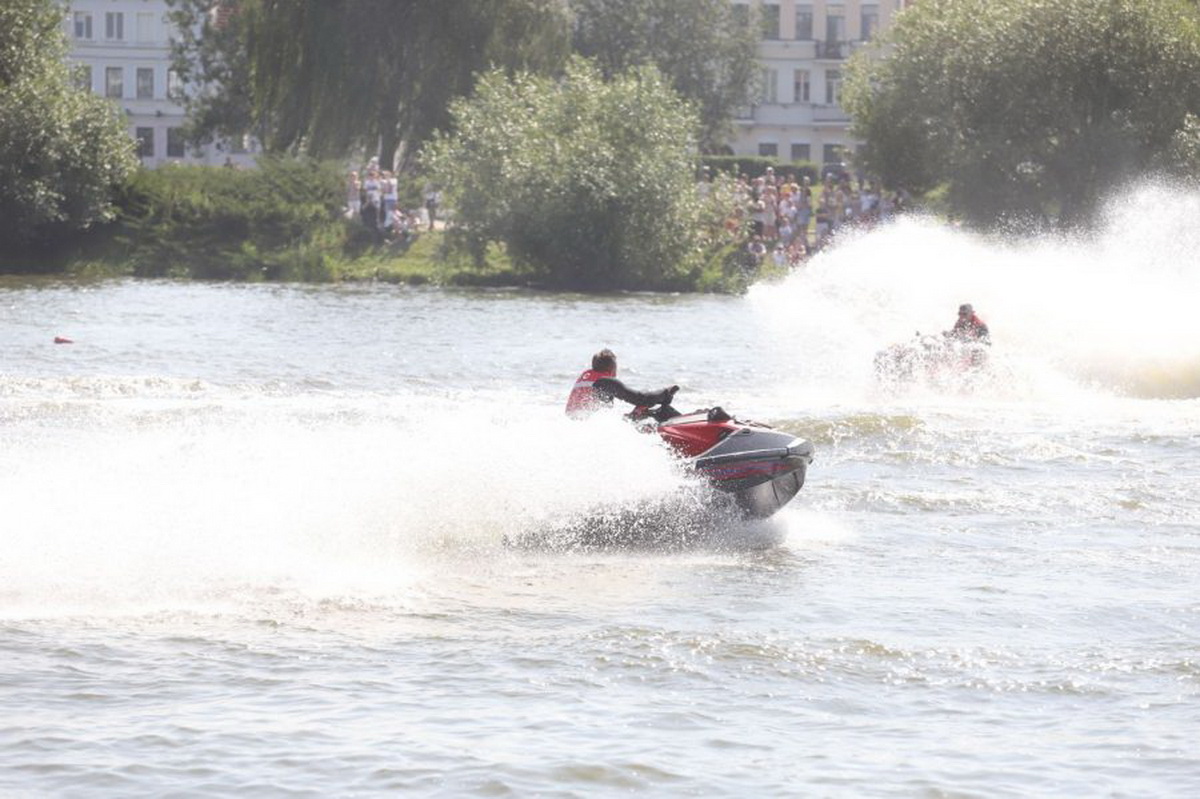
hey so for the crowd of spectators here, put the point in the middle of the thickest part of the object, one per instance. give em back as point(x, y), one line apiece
point(372, 196)
point(785, 218)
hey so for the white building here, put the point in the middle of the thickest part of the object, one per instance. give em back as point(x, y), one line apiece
point(798, 116)
point(121, 49)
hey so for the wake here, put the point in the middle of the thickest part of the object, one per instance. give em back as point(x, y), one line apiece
point(1112, 312)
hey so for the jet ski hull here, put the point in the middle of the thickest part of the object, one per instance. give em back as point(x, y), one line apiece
point(760, 468)
point(749, 472)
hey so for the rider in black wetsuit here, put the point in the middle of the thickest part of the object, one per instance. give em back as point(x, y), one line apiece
point(599, 386)
point(608, 388)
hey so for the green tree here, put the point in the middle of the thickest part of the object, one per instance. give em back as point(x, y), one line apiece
point(1028, 108)
point(213, 66)
point(704, 47)
point(589, 183)
point(62, 150)
point(338, 76)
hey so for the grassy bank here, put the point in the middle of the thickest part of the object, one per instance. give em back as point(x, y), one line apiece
point(426, 261)
point(285, 222)
point(423, 262)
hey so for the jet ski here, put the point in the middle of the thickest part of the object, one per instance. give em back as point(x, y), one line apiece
point(931, 359)
point(749, 472)
point(756, 466)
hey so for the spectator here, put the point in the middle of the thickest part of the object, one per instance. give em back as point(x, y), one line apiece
point(374, 198)
point(433, 198)
point(353, 196)
point(779, 256)
point(388, 187)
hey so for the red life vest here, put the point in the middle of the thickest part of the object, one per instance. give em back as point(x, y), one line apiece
point(583, 399)
point(969, 329)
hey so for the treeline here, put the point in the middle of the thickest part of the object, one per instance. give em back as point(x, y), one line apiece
point(1024, 111)
point(335, 81)
point(567, 135)
point(379, 76)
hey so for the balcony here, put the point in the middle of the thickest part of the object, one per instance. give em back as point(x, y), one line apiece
point(833, 51)
point(830, 113)
point(787, 49)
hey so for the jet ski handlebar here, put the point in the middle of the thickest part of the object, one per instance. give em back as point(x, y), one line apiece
point(659, 411)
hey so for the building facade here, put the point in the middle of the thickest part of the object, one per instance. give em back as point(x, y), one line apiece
point(803, 51)
point(121, 49)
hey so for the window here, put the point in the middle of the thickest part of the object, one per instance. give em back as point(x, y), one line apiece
point(81, 76)
point(145, 142)
point(870, 22)
point(770, 20)
point(114, 82)
point(174, 85)
point(801, 86)
point(832, 154)
point(801, 152)
point(833, 87)
point(175, 143)
point(835, 24)
point(145, 83)
point(804, 22)
point(114, 25)
point(145, 26)
point(768, 149)
point(83, 25)
point(770, 86)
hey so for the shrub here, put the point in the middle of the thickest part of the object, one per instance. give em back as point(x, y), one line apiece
point(212, 222)
point(587, 184)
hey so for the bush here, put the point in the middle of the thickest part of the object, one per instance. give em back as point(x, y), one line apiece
point(587, 184)
point(213, 222)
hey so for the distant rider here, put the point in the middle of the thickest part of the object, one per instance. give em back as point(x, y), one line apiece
point(597, 387)
point(969, 328)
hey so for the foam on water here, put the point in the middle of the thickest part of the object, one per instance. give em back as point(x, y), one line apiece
point(168, 507)
point(1112, 312)
point(136, 492)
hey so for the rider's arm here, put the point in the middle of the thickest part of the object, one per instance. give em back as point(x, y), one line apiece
point(612, 387)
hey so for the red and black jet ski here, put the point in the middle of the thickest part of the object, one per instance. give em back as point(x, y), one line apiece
point(930, 359)
point(759, 467)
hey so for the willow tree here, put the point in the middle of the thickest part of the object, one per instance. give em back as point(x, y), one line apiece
point(63, 150)
point(587, 183)
point(704, 47)
point(1027, 108)
point(332, 77)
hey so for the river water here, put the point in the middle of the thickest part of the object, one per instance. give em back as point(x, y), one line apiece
point(254, 537)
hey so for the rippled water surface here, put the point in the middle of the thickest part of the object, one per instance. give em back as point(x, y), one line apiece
point(254, 537)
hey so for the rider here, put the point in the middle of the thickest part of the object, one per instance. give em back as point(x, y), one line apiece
point(599, 385)
point(969, 327)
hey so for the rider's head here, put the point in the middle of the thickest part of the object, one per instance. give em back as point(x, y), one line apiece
point(605, 361)
point(965, 309)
